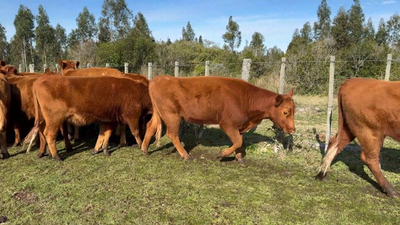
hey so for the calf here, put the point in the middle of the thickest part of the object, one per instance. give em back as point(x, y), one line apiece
point(369, 111)
point(236, 105)
point(87, 100)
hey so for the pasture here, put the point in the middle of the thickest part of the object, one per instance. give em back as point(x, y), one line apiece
point(269, 188)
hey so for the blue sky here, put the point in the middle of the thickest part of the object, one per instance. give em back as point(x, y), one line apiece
point(276, 20)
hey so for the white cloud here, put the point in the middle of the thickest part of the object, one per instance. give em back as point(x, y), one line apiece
point(389, 2)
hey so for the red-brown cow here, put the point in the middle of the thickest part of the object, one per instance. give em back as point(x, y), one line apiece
point(236, 105)
point(369, 111)
point(5, 97)
point(86, 100)
point(22, 105)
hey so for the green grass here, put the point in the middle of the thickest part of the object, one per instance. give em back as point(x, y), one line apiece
point(270, 188)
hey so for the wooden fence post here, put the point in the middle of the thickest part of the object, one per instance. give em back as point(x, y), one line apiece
point(207, 72)
point(330, 100)
point(279, 134)
point(57, 68)
point(107, 65)
point(388, 64)
point(31, 68)
point(246, 69)
point(150, 71)
point(20, 68)
point(126, 69)
point(282, 76)
point(88, 65)
point(44, 68)
point(176, 69)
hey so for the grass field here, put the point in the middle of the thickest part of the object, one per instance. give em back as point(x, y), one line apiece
point(269, 188)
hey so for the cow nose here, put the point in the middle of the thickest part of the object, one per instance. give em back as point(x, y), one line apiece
point(292, 131)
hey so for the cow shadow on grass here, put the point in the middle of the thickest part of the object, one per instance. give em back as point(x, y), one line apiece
point(350, 156)
point(211, 137)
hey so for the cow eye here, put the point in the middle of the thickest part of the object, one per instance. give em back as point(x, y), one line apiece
point(285, 113)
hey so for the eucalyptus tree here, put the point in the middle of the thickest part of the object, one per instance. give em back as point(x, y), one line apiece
point(23, 38)
point(356, 21)
point(381, 36)
point(3, 44)
point(114, 23)
point(232, 37)
point(44, 39)
point(188, 33)
point(323, 26)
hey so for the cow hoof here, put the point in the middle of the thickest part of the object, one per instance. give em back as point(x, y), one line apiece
point(40, 155)
point(240, 160)
point(94, 152)
point(392, 193)
point(106, 153)
point(321, 176)
point(57, 158)
point(146, 153)
point(68, 149)
point(5, 155)
point(16, 144)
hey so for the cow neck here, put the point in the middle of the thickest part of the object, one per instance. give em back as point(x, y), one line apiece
point(261, 101)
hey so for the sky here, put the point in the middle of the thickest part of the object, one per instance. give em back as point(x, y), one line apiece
point(276, 20)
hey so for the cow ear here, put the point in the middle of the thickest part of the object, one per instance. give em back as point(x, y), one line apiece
point(47, 70)
point(278, 100)
point(77, 65)
point(290, 93)
point(2, 63)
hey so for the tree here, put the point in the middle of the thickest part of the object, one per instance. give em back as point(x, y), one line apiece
point(45, 39)
point(86, 26)
point(393, 28)
point(114, 21)
point(232, 36)
point(3, 44)
point(24, 34)
point(306, 33)
point(201, 40)
point(188, 33)
point(340, 29)
point(141, 28)
point(356, 20)
point(369, 30)
point(382, 34)
point(257, 44)
point(323, 26)
point(60, 48)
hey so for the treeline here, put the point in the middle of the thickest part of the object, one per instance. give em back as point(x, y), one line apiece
point(118, 36)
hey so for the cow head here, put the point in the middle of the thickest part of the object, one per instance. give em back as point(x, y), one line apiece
point(2, 63)
point(283, 112)
point(67, 65)
point(8, 70)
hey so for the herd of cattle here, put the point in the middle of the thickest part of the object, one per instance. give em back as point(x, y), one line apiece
point(368, 110)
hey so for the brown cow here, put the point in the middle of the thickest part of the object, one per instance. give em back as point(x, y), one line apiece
point(5, 97)
point(369, 111)
point(22, 105)
point(87, 100)
point(236, 105)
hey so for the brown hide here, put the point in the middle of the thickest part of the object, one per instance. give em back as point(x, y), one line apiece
point(5, 97)
point(369, 111)
point(8, 70)
point(86, 100)
point(234, 104)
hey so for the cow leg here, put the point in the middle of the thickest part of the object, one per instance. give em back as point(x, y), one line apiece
point(107, 134)
point(237, 140)
point(199, 132)
point(42, 141)
point(50, 133)
point(122, 137)
point(76, 133)
point(371, 148)
point(70, 128)
point(335, 146)
point(100, 139)
point(64, 132)
point(17, 135)
point(173, 124)
point(3, 143)
point(133, 126)
point(150, 131)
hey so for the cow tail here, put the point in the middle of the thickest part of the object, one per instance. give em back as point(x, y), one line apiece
point(333, 142)
point(31, 136)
